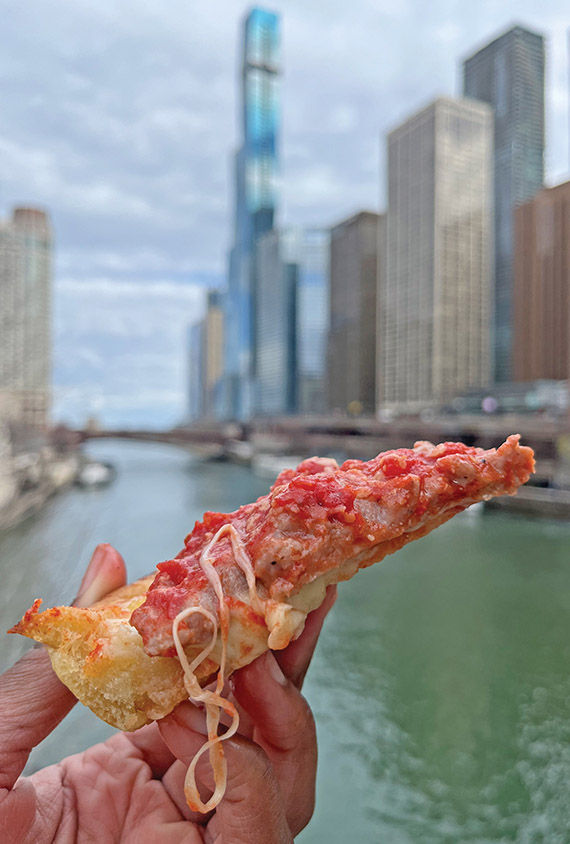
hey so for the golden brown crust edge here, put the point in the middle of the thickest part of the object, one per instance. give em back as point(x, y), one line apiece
point(98, 655)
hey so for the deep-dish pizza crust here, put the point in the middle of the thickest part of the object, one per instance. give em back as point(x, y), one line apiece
point(100, 655)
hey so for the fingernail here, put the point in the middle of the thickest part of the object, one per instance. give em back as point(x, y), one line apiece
point(186, 715)
point(93, 585)
point(273, 669)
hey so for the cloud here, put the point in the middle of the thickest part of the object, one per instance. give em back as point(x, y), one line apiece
point(122, 120)
point(125, 122)
point(108, 286)
point(121, 350)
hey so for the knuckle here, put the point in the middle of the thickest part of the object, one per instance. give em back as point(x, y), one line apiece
point(254, 768)
point(254, 759)
point(262, 764)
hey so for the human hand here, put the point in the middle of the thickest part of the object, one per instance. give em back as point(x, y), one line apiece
point(130, 788)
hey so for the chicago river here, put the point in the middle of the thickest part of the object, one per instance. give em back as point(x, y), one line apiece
point(441, 683)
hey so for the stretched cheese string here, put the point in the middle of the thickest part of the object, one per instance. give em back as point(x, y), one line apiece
point(244, 562)
point(213, 700)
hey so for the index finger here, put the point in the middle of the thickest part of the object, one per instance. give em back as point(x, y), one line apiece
point(285, 728)
point(32, 699)
point(32, 703)
point(294, 660)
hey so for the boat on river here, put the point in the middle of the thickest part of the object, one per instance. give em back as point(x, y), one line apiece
point(94, 474)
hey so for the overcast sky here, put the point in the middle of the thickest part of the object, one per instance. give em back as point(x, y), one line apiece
point(121, 119)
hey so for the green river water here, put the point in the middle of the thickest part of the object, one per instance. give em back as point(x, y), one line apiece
point(441, 684)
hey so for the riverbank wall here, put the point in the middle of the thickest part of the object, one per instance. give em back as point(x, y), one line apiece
point(28, 480)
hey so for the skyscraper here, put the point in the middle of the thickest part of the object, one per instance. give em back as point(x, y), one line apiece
point(508, 74)
point(205, 362)
point(25, 317)
point(255, 200)
point(542, 287)
point(351, 356)
point(213, 352)
point(310, 250)
point(276, 320)
point(292, 321)
point(196, 370)
point(435, 298)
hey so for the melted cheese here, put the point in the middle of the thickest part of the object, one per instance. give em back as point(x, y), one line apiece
point(213, 700)
point(284, 621)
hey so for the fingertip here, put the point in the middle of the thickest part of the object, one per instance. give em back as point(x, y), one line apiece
point(184, 731)
point(105, 573)
point(264, 666)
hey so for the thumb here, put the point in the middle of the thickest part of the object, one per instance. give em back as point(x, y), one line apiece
point(252, 810)
point(32, 699)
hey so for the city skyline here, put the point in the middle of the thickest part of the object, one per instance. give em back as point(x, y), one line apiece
point(508, 73)
point(106, 170)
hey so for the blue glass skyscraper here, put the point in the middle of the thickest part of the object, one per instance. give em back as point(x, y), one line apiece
point(312, 316)
point(292, 321)
point(508, 74)
point(255, 200)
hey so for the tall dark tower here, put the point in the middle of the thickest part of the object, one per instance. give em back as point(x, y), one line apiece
point(508, 74)
point(255, 201)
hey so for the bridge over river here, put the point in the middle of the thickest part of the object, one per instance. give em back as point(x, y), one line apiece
point(342, 437)
point(362, 438)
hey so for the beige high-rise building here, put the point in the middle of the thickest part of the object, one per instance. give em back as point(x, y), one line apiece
point(541, 291)
point(435, 298)
point(213, 355)
point(351, 354)
point(25, 317)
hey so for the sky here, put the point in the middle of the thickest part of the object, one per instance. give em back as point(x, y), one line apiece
point(121, 120)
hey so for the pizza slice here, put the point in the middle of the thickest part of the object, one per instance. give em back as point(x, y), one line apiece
point(245, 581)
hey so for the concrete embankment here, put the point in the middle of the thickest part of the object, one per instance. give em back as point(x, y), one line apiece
point(534, 501)
point(26, 490)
